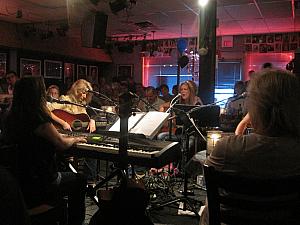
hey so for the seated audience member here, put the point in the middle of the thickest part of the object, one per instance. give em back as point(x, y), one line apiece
point(140, 90)
point(175, 90)
point(53, 91)
point(151, 102)
point(29, 126)
point(165, 95)
point(274, 114)
point(250, 76)
point(235, 106)
point(11, 79)
point(267, 65)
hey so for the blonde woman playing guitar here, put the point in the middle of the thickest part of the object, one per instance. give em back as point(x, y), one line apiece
point(77, 94)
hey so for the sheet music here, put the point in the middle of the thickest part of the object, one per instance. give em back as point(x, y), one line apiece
point(150, 124)
point(132, 121)
point(144, 123)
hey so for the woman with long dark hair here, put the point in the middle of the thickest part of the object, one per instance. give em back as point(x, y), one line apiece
point(29, 126)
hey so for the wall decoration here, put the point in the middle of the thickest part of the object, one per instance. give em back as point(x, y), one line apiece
point(293, 46)
point(278, 37)
point(294, 37)
point(248, 47)
point(3, 61)
point(263, 48)
point(262, 39)
point(30, 67)
point(285, 38)
point(279, 42)
point(255, 39)
point(277, 47)
point(270, 38)
point(285, 46)
point(125, 70)
point(93, 75)
point(270, 47)
point(69, 69)
point(52, 69)
point(248, 39)
point(255, 48)
point(81, 72)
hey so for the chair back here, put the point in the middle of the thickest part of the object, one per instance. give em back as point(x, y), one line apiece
point(236, 199)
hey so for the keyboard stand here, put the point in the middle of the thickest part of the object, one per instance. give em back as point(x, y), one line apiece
point(92, 191)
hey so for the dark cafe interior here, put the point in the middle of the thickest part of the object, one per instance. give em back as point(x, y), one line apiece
point(138, 112)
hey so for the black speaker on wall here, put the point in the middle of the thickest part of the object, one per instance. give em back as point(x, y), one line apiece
point(93, 30)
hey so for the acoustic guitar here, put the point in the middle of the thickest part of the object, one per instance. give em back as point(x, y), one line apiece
point(78, 122)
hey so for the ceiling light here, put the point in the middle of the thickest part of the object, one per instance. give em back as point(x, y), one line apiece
point(203, 3)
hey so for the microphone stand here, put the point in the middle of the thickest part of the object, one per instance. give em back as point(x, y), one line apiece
point(98, 94)
point(121, 170)
point(141, 99)
point(170, 109)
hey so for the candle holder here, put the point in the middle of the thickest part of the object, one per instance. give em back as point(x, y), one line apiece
point(213, 137)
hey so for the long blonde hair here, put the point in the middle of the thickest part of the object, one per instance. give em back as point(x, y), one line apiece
point(80, 86)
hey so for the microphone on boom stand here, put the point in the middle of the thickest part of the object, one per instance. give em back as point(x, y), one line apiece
point(148, 106)
point(103, 96)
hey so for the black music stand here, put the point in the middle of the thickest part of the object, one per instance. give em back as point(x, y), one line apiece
point(205, 116)
point(121, 168)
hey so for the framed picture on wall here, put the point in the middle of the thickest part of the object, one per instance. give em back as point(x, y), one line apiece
point(93, 75)
point(248, 39)
point(52, 69)
point(125, 70)
point(81, 72)
point(293, 46)
point(248, 47)
point(278, 37)
point(277, 47)
point(255, 48)
point(69, 69)
point(3, 61)
point(31, 67)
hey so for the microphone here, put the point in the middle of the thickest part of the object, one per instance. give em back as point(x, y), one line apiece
point(94, 92)
point(173, 102)
point(133, 94)
point(241, 96)
point(177, 96)
point(103, 95)
point(50, 99)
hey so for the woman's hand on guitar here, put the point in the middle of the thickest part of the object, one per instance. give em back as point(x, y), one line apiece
point(66, 126)
point(92, 126)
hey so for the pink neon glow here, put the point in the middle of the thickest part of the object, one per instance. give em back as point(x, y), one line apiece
point(254, 61)
point(145, 71)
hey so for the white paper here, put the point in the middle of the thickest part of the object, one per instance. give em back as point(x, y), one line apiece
point(144, 123)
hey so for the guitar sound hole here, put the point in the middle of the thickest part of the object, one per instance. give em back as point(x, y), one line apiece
point(77, 125)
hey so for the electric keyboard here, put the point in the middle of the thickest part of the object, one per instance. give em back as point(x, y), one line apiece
point(143, 152)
